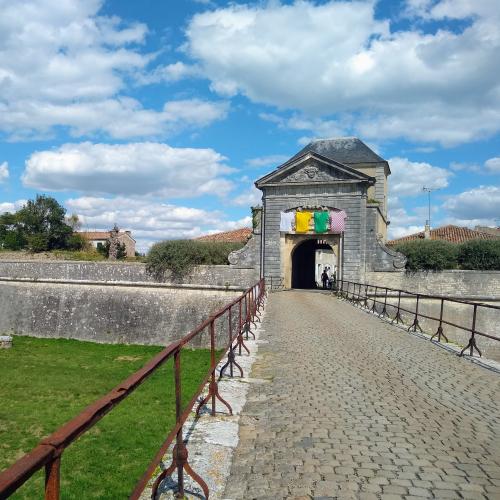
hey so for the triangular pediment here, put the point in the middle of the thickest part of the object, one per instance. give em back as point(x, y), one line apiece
point(312, 168)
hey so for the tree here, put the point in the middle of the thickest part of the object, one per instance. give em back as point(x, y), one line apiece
point(11, 238)
point(73, 221)
point(42, 223)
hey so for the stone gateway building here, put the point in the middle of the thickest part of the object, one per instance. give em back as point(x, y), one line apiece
point(338, 176)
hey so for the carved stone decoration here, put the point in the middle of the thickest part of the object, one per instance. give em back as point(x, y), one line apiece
point(397, 259)
point(114, 243)
point(313, 172)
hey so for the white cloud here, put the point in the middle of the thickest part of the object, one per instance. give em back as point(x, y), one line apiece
point(493, 165)
point(249, 198)
point(11, 206)
point(465, 167)
point(267, 161)
point(409, 177)
point(438, 86)
point(476, 204)
point(120, 118)
point(404, 222)
point(169, 73)
point(149, 221)
point(4, 171)
point(144, 168)
point(63, 64)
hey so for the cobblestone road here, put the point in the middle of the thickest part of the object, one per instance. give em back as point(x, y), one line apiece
point(352, 407)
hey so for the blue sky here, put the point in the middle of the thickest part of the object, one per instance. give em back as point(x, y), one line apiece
point(160, 115)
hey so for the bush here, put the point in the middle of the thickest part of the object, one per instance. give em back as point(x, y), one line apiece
point(429, 255)
point(77, 242)
point(13, 240)
point(38, 242)
point(480, 254)
point(181, 256)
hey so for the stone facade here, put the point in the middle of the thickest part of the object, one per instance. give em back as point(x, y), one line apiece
point(311, 180)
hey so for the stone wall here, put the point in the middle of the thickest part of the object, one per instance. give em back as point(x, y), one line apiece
point(241, 277)
point(483, 285)
point(113, 302)
point(477, 286)
point(108, 314)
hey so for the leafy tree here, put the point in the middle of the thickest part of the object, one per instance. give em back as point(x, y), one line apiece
point(74, 222)
point(42, 223)
point(11, 238)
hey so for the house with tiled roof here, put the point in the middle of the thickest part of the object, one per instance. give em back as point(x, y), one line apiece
point(236, 236)
point(97, 238)
point(453, 234)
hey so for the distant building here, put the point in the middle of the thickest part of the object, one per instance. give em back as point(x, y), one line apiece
point(490, 230)
point(236, 236)
point(97, 238)
point(453, 234)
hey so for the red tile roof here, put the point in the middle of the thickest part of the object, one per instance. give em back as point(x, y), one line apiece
point(235, 236)
point(100, 235)
point(95, 235)
point(454, 234)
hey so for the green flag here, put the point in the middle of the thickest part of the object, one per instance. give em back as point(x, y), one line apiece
point(321, 222)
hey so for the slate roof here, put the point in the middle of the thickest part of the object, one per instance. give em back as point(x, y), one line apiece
point(346, 150)
point(236, 236)
point(453, 234)
point(292, 162)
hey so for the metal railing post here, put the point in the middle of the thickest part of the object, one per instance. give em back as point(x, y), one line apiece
point(374, 305)
point(398, 318)
point(179, 453)
point(439, 331)
point(213, 388)
point(472, 341)
point(52, 479)
point(415, 323)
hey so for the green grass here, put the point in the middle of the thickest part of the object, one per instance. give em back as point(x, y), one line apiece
point(46, 382)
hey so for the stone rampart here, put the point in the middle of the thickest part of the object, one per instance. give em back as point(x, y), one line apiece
point(241, 277)
point(474, 286)
point(479, 285)
point(108, 314)
point(112, 303)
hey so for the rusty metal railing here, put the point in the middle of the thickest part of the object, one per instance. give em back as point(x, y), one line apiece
point(374, 298)
point(49, 452)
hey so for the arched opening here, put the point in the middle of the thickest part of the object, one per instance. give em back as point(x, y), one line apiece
point(306, 264)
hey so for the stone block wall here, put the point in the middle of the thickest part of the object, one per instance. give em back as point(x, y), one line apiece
point(241, 277)
point(113, 302)
point(483, 285)
point(474, 286)
point(107, 314)
point(350, 197)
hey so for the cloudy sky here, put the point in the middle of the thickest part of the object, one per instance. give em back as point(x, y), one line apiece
point(160, 115)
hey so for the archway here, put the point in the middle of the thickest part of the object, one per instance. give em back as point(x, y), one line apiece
point(304, 263)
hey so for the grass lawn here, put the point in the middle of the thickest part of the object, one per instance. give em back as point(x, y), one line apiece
point(46, 382)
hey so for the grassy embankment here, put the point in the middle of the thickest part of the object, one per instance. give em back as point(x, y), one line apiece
point(46, 382)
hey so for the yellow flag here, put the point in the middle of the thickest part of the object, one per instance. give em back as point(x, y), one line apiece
point(302, 222)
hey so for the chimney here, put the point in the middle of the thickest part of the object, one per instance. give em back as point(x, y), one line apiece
point(427, 232)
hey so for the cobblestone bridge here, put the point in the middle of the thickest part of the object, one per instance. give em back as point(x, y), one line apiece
point(352, 407)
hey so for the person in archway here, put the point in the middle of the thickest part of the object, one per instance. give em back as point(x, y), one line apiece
point(324, 278)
